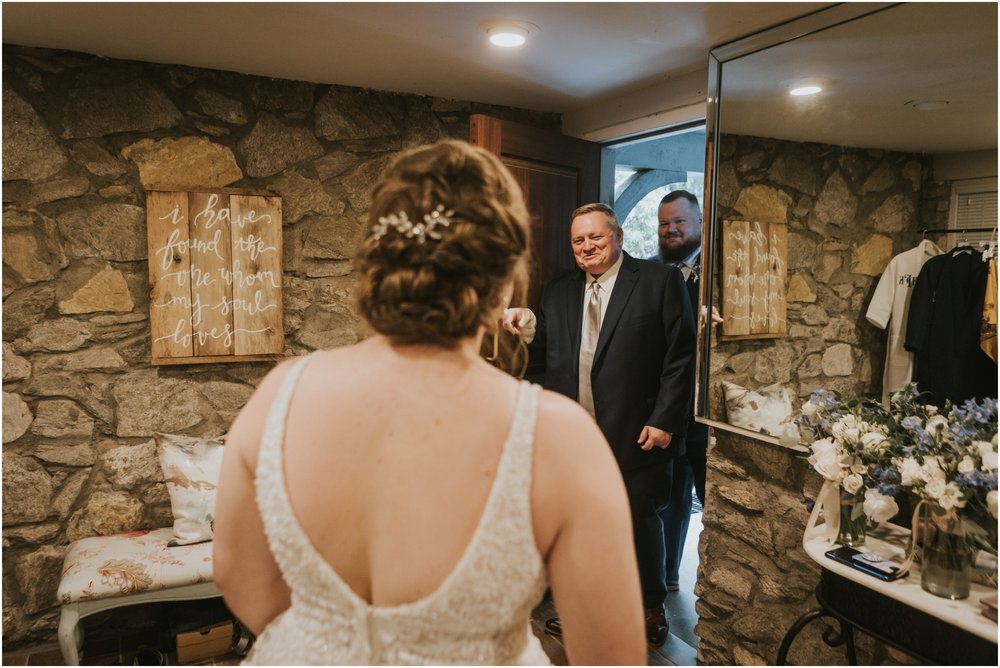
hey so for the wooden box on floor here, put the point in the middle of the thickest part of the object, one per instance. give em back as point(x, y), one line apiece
point(204, 643)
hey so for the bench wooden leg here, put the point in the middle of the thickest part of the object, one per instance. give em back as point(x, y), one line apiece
point(70, 634)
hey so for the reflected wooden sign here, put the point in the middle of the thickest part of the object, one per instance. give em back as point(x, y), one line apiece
point(214, 276)
point(752, 285)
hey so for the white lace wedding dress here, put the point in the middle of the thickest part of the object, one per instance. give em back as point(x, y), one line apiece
point(480, 614)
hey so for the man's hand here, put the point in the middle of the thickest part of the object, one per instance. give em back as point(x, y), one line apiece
point(520, 321)
point(652, 437)
point(716, 317)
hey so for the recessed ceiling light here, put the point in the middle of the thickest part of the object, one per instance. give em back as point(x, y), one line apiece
point(508, 37)
point(508, 34)
point(927, 105)
point(803, 87)
point(810, 89)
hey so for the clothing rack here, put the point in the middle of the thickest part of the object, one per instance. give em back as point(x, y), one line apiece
point(957, 230)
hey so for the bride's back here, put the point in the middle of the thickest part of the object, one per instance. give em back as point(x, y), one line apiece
point(386, 447)
point(400, 511)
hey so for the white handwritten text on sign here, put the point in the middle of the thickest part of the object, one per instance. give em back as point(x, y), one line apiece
point(215, 276)
point(754, 257)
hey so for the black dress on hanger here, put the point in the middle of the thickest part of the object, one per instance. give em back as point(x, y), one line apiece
point(946, 310)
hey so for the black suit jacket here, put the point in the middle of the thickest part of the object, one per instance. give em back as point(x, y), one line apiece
point(643, 369)
point(944, 325)
point(696, 431)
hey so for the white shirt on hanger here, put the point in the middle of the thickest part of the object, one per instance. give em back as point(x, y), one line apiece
point(890, 306)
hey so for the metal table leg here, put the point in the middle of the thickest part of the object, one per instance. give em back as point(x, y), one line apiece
point(832, 638)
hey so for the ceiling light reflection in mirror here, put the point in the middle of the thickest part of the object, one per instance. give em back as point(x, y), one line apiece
point(885, 66)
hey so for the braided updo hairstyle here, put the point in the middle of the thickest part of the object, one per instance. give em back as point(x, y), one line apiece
point(443, 290)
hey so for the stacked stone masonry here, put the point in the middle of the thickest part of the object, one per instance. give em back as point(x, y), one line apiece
point(82, 139)
point(754, 578)
point(849, 211)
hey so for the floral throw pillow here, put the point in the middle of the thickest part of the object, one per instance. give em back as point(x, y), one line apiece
point(767, 410)
point(191, 467)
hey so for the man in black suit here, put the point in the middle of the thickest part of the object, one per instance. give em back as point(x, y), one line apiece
point(679, 231)
point(618, 336)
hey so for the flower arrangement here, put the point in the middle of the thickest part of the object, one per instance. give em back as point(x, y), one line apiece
point(851, 445)
point(946, 456)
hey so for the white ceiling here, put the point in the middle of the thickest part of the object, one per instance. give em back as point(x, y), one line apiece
point(582, 53)
point(870, 69)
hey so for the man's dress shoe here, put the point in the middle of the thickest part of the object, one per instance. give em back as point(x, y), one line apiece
point(657, 626)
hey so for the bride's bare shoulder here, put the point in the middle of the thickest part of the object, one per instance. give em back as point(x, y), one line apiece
point(565, 430)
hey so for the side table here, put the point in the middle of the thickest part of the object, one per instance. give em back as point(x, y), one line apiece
point(933, 630)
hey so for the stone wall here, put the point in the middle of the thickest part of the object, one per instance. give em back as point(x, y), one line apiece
point(849, 211)
point(754, 578)
point(82, 137)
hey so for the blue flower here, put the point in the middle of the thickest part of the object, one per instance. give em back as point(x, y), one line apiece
point(962, 434)
point(977, 479)
point(889, 489)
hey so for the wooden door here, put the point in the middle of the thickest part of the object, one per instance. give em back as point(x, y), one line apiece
point(557, 174)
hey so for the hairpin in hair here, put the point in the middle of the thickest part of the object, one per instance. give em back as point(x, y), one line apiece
point(420, 231)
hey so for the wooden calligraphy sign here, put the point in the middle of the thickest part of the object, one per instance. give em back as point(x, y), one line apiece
point(754, 266)
point(214, 276)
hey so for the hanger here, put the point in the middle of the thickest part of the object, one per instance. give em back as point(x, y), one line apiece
point(990, 247)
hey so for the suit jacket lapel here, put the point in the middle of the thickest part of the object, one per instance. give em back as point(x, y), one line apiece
point(624, 284)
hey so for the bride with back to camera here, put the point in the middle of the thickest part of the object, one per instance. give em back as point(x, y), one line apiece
point(402, 501)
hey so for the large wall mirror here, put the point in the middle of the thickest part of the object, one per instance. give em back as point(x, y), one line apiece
point(825, 189)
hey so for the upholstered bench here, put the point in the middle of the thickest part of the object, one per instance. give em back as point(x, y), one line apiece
point(107, 572)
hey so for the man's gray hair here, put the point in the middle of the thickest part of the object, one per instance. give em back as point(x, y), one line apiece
point(598, 207)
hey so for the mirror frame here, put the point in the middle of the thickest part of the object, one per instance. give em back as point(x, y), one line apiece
point(809, 24)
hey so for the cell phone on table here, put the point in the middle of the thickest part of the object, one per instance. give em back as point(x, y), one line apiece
point(866, 562)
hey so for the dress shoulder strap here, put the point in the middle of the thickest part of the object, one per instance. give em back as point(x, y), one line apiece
point(517, 467)
point(274, 426)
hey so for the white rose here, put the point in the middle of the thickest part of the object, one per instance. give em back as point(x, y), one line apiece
point(937, 424)
point(853, 483)
point(825, 458)
point(819, 449)
point(879, 507)
point(967, 465)
point(988, 453)
point(843, 424)
point(991, 502)
point(809, 409)
point(829, 467)
point(910, 471)
point(951, 497)
point(932, 469)
point(953, 492)
point(873, 442)
point(935, 488)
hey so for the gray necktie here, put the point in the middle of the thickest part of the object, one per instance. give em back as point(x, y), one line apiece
point(588, 343)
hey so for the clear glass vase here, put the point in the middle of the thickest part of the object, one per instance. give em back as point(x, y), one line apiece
point(853, 522)
point(946, 567)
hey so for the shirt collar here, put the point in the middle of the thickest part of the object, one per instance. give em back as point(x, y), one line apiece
point(692, 259)
point(610, 275)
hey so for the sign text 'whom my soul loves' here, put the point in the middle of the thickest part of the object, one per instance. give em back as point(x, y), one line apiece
point(752, 283)
point(215, 276)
